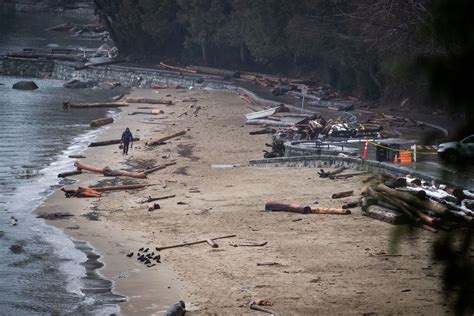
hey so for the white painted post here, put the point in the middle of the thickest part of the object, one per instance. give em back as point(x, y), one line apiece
point(414, 152)
point(304, 90)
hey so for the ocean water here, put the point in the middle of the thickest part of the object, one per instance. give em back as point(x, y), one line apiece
point(43, 271)
point(51, 272)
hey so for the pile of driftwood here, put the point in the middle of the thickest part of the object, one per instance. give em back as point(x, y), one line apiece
point(399, 200)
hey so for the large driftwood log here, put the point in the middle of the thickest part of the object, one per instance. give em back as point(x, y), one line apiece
point(109, 172)
point(119, 173)
point(110, 142)
point(69, 173)
point(285, 207)
point(163, 139)
point(94, 105)
point(384, 214)
point(102, 121)
point(147, 100)
point(82, 166)
point(330, 210)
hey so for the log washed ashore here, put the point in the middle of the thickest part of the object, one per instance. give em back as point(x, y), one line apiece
point(211, 202)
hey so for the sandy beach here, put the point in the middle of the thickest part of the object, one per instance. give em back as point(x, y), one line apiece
point(325, 264)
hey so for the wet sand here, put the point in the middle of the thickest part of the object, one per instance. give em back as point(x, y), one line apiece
point(326, 264)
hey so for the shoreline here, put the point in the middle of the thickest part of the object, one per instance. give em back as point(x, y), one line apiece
point(332, 257)
point(107, 253)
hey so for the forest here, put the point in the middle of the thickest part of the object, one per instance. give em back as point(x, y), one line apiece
point(370, 49)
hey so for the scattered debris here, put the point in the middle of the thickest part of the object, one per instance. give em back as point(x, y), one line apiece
point(263, 302)
point(212, 243)
point(155, 206)
point(92, 216)
point(55, 216)
point(16, 248)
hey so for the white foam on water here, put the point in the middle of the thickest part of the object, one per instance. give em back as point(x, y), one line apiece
point(37, 190)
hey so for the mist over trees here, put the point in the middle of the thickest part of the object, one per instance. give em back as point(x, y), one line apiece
point(357, 46)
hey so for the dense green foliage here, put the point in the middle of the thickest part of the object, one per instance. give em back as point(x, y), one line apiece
point(353, 45)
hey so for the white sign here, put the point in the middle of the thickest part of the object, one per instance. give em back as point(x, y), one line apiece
point(304, 90)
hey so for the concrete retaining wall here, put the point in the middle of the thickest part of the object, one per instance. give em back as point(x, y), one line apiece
point(26, 68)
point(325, 161)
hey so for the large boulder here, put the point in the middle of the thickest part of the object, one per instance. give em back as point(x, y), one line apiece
point(78, 84)
point(25, 85)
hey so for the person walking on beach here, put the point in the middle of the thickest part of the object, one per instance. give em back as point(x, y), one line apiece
point(126, 140)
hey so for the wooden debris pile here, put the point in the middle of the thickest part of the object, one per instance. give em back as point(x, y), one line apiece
point(411, 200)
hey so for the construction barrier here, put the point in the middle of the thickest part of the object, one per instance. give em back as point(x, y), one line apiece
point(386, 152)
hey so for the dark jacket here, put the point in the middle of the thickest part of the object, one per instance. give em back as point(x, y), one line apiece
point(127, 137)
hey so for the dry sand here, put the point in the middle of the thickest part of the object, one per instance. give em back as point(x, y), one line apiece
point(327, 264)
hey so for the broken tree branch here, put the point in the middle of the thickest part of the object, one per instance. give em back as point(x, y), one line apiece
point(192, 243)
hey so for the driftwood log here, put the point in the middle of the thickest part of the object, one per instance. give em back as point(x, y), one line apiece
point(109, 142)
point(161, 140)
point(151, 170)
point(67, 105)
point(147, 100)
point(343, 194)
point(285, 207)
point(97, 191)
point(330, 210)
point(327, 174)
point(119, 173)
point(385, 214)
point(102, 121)
point(81, 192)
point(69, 173)
point(192, 243)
